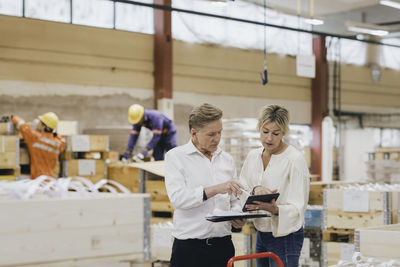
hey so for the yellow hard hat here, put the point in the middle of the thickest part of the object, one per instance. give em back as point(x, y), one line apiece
point(50, 119)
point(135, 113)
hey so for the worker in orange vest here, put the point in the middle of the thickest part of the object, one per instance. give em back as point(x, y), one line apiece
point(44, 144)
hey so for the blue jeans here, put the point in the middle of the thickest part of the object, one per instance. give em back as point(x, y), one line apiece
point(287, 248)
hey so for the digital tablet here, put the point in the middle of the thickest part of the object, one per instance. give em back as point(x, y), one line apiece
point(237, 217)
point(262, 198)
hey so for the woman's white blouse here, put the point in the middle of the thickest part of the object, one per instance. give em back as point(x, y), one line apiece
point(287, 172)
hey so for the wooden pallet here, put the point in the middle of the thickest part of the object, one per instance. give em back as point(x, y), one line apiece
point(338, 235)
point(9, 174)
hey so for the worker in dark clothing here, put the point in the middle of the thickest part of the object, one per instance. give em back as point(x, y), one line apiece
point(44, 144)
point(164, 132)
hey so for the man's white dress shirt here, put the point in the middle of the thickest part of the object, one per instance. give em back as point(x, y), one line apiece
point(187, 173)
point(287, 172)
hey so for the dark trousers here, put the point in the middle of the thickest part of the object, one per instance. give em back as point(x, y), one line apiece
point(212, 252)
point(166, 142)
point(287, 248)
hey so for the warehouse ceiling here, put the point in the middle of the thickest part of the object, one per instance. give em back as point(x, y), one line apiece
point(336, 13)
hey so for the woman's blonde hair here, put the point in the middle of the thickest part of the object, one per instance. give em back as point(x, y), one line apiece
point(274, 113)
point(203, 114)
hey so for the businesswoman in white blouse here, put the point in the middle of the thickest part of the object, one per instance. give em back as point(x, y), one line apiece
point(277, 167)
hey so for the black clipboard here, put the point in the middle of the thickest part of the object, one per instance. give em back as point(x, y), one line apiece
point(235, 217)
point(262, 198)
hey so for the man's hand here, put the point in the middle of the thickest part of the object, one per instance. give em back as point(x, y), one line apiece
point(127, 155)
point(238, 223)
point(230, 187)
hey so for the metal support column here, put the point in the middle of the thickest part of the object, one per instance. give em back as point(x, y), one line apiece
point(319, 102)
point(163, 59)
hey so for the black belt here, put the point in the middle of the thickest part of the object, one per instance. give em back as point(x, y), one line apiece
point(207, 241)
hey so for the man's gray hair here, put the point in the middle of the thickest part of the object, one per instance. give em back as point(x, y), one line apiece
point(202, 115)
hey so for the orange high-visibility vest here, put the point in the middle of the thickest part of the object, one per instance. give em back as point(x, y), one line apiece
point(44, 148)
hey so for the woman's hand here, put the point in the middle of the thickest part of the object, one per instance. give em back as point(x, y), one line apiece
point(271, 207)
point(261, 190)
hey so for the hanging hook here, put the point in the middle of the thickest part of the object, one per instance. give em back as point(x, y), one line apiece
point(264, 76)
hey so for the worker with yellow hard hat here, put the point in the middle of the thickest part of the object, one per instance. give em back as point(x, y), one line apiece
point(163, 129)
point(44, 144)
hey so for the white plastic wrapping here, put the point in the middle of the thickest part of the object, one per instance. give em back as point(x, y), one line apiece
point(58, 188)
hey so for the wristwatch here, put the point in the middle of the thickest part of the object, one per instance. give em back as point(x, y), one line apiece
point(204, 195)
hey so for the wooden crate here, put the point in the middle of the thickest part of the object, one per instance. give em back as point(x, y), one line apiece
point(317, 190)
point(362, 208)
point(379, 242)
point(45, 230)
point(111, 156)
point(7, 128)
point(8, 160)
point(67, 128)
point(9, 152)
point(92, 169)
point(333, 252)
point(126, 175)
point(87, 143)
point(157, 190)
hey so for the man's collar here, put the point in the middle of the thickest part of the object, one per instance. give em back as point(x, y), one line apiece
point(191, 148)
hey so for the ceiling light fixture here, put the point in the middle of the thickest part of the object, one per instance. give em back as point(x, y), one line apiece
point(366, 28)
point(314, 21)
point(390, 3)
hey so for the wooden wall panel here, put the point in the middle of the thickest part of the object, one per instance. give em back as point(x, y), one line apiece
point(46, 51)
point(359, 89)
point(43, 51)
point(235, 72)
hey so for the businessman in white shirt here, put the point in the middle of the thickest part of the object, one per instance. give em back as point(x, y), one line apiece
point(199, 178)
